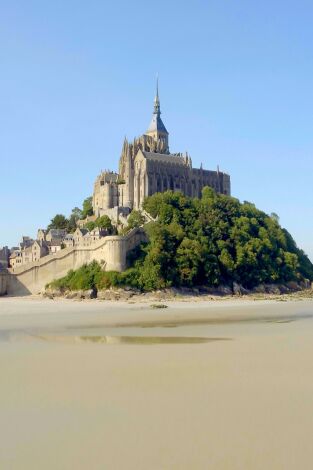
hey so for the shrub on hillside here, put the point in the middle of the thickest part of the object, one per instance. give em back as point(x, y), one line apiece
point(208, 241)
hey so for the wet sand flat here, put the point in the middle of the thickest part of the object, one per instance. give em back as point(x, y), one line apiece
point(122, 386)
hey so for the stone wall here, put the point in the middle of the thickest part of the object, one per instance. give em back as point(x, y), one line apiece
point(3, 282)
point(110, 251)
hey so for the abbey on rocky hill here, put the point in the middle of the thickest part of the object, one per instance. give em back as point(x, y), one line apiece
point(146, 166)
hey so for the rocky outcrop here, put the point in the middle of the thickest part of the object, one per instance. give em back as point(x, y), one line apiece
point(52, 293)
point(127, 293)
point(238, 289)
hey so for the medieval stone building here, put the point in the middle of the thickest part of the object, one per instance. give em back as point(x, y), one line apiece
point(146, 166)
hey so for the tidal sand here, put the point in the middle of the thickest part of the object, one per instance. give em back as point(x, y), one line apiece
point(211, 385)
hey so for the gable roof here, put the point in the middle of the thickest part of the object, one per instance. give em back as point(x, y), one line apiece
point(81, 231)
point(156, 124)
point(166, 158)
point(57, 232)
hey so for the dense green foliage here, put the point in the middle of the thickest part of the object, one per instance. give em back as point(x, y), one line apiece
point(215, 240)
point(209, 241)
point(103, 222)
point(87, 208)
point(59, 221)
point(91, 276)
point(135, 220)
point(90, 225)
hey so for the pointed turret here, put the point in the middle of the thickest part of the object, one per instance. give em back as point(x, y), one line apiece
point(157, 109)
point(157, 130)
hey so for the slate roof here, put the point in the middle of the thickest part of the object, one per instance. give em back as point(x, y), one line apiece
point(157, 124)
point(166, 158)
point(57, 232)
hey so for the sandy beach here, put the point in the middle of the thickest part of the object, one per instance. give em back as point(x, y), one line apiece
point(101, 385)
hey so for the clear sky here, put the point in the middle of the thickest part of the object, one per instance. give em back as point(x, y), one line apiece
point(236, 89)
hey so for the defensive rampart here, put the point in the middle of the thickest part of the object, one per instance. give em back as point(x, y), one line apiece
point(4, 276)
point(110, 251)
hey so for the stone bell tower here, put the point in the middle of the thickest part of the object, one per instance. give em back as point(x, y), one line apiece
point(157, 130)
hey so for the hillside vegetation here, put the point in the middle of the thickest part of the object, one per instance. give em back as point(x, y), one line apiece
point(209, 241)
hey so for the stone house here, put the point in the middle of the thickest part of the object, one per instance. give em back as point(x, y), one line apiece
point(41, 234)
point(55, 234)
point(84, 237)
point(96, 234)
point(16, 259)
point(34, 252)
point(26, 242)
point(68, 240)
point(39, 249)
point(54, 246)
point(79, 235)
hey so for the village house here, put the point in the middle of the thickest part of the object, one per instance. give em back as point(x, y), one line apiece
point(26, 242)
point(55, 234)
point(78, 236)
point(54, 246)
point(35, 251)
point(68, 240)
point(51, 242)
point(16, 259)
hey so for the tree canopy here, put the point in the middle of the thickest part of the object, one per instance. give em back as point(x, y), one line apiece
point(215, 240)
point(135, 219)
point(104, 222)
point(70, 223)
point(210, 241)
point(59, 221)
point(87, 208)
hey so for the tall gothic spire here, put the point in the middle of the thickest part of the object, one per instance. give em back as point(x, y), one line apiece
point(156, 125)
point(157, 109)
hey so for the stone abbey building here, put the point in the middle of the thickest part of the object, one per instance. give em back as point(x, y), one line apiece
point(146, 166)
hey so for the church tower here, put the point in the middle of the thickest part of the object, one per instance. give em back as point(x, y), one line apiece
point(157, 130)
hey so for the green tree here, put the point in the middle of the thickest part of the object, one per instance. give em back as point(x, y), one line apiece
point(87, 208)
point(59, 221)
point(211, 240)
point(104, 222)
point(76, 215)
point(135, 219)
point(90, 225)
point(189, 260)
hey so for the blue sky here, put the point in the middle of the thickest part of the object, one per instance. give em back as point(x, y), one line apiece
point(235, 87)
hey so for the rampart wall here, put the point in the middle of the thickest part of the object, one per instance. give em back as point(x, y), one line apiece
point(4, 276)
point(110, 251)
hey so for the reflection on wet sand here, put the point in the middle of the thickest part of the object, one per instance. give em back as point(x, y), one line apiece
point(144, 340)
point(181, 322)
point(212, 321)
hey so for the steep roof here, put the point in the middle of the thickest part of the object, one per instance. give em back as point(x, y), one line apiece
point(156, 124)
point(166, 158)
point(82, 231)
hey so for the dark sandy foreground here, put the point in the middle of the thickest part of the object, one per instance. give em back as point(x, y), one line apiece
point(90, 385)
